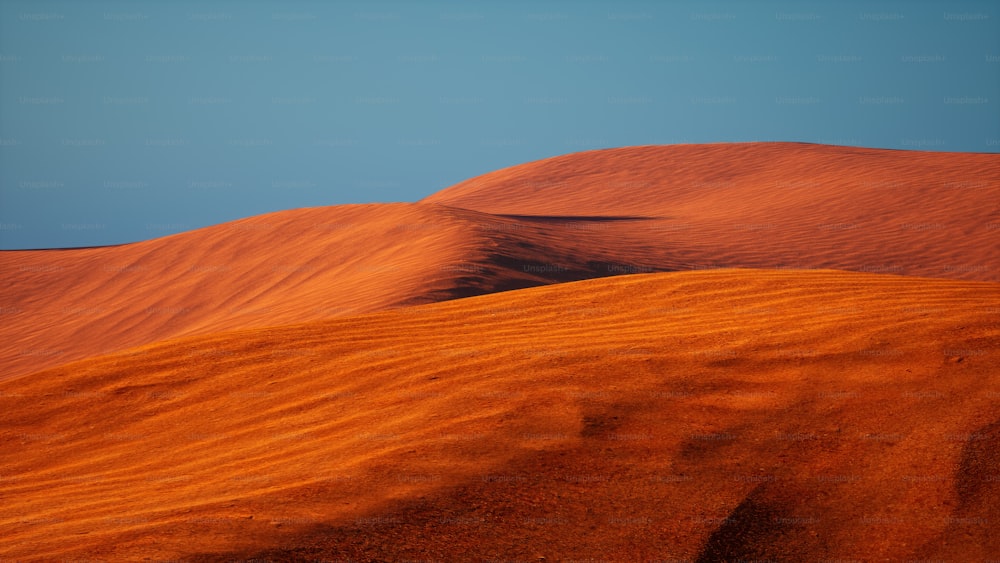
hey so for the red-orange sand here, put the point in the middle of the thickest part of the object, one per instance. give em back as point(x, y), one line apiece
point(325, 384)
point(769, 205)
point(579, 216)
point(794, 415)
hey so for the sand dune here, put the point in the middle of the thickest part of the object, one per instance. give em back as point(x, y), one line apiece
point(291, 386)
point(579, 216)
point(772, 205)
point(279, 268)
point(696, 415)
point(288, 267)
point(284, 267)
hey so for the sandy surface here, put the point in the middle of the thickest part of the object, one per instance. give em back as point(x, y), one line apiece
point(580, 216)
point(732, 413)
point(805, 366)
point(770, 205)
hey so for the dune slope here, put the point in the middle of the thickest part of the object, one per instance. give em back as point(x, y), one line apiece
point(697, 415)
point(579, 216)
point(280, 268)
point(769, 205)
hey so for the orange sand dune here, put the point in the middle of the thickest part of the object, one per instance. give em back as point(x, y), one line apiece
point(288, 267)
point(771, 205)
point(585, 215)
point(279, 268)
point(710, 415)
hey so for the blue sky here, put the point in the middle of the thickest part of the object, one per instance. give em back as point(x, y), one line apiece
point(128, 121)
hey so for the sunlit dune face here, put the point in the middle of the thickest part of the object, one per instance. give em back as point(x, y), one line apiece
point(768, 205)
point(580, 216)
point(719, 414)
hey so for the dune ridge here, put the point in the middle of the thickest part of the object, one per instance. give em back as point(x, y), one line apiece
point(279, 268)
point(766, 205)
point(691, 415)
point(578, 216)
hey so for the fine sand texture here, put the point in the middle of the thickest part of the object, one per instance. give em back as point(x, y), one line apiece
point(711, 415)
point(579, 216)
point(725, 352)
point(767, 205)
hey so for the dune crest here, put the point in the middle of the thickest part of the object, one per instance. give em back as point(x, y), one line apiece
point(767, 205)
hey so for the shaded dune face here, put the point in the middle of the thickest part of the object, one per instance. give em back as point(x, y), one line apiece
point(707, 415)
point(972, 527)
point(579, 216)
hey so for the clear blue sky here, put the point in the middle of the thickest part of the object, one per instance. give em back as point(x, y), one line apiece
point(132, 120)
